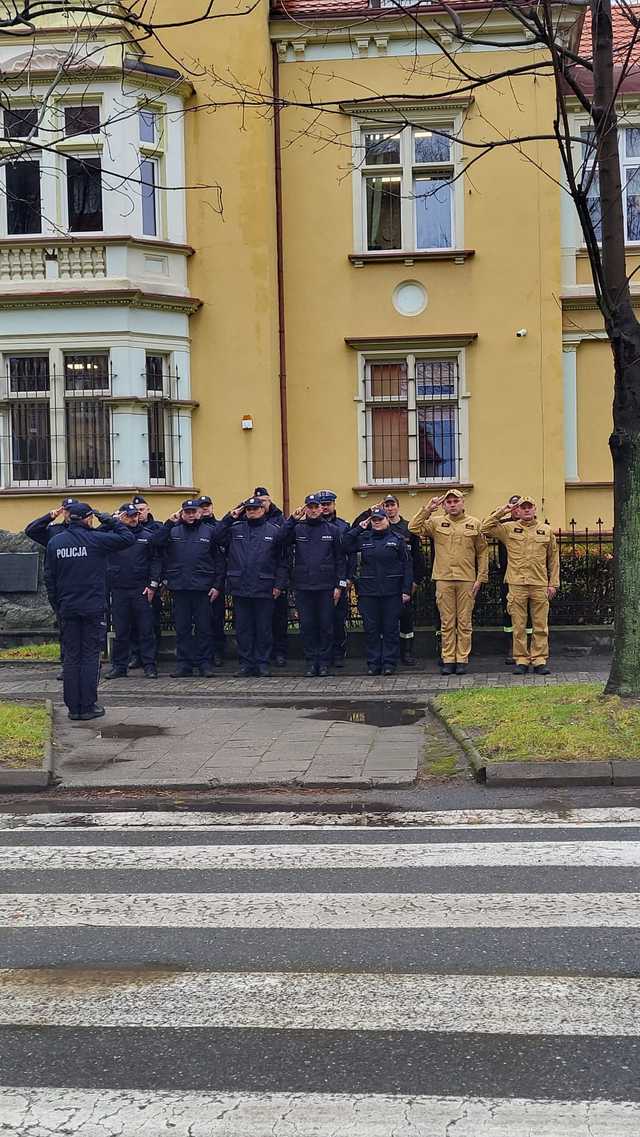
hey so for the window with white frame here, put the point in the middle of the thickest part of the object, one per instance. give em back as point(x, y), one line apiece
point(629, 154)
point(158, 418)
point(407, 188)
point(22, 197)
point(151, 140)
point(149, 191)
point(28, 387)
point(87, 381)
point(412, 430)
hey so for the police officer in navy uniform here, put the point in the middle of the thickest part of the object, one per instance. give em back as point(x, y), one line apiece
point(384, 585)
point(399, 524)
point(133, 577)
point(256, 576)
point(190, 571)
point(75, 577)
point(43, 529)
point(218, 638)
point(341, 610)
point(319, 579)
point(148, 520)
point(280, 628)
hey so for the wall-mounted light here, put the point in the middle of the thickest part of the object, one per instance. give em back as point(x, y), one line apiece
point(247, 422)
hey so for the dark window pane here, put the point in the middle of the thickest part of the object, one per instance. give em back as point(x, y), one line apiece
point(389, 444)
point(84, 194)
point(433, 213)
point(20, 122)
point(31, 440)
point(28, 374)
point(148, 188)
point(436, 378)
point(595, 207)
point(383, 214)
point(633, 204)
point(155, 374)
point(632, 141)
point(81, 120)
point(23, 198)
point(429, 147)
point(381, 149)
point(86, 372)
point(157, 446)
point(438, 442)
point(147, 120)
point(88, 440)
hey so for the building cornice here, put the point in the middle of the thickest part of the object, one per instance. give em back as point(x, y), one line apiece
point(82, 239)
point(100, 298)
point(409, 343)
point(404, 104)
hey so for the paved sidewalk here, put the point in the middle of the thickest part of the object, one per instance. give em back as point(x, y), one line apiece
point(234, 745)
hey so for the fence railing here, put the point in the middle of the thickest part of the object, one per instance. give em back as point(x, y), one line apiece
point(585, 596)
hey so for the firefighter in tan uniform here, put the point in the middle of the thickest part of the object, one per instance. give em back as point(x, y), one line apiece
point(460, 567)
point(533, 576)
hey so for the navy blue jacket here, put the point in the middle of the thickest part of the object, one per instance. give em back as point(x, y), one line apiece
point(43, 529)
point(319, 562)
point(343, 526)
point(385, 564)
point(219, 557)
point(188, 560)
point(75, 565)
point(137, 565)
point(255, 556)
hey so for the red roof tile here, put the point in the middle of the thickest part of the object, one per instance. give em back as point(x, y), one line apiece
point(623, 33)
point(317, 9)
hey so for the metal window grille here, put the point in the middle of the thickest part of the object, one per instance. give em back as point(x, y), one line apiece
point(163, 421)
point(86, 372)
point(412, 421)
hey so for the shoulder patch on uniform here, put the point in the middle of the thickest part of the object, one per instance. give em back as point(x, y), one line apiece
point(469, 525)
point(542, 531)
point(518, 529)
point(445, 524)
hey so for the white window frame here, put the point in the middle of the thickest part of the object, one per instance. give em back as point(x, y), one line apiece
point(48, 397)
point(154, 152)
point(365, 433)
point(581, 124)
point(447, 120)
point(34, 156)
point(155, 162)
point(82, 156)
point(162, 398)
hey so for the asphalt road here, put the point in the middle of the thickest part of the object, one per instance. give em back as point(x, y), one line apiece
point(242, 977)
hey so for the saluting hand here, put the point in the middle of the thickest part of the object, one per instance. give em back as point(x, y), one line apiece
point(56, 512)
point(237, 512)
point(299, 513)
point(366, 523)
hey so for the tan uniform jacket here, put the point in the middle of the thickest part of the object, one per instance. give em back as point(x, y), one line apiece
point(532, 550)
point(461, 550)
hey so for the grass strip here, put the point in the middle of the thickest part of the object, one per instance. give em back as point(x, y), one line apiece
point(24, 731)
point(47, 651)
point(567, 722)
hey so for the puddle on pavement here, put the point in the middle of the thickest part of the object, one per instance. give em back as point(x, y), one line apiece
point(374, 712)
point(131, 730)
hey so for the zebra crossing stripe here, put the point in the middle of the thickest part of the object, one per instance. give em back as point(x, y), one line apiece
point(531, 1005)
point(477, 854)
point(320, 910)
point(112, 1113)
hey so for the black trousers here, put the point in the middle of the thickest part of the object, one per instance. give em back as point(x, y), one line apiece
point(192, 621)
point(381, 619)
point(280, 625)
point(407, 621)
point(132, 612)
point(340, 613)
point(254, 623)
point(82, 639)
point(315, 609)
point(218, 641)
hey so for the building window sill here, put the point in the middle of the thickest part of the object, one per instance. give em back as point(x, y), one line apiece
point(97, 491)
point(380, 488)
point(458, 256)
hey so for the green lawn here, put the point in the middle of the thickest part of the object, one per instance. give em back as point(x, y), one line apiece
point(572, 721)
point(23, 733)
point(49, 651)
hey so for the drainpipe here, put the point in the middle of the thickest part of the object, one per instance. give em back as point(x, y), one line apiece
point(282, 340)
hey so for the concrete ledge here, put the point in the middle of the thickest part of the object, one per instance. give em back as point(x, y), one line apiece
point(626, 771)
point(24, 779)
point(498, 774)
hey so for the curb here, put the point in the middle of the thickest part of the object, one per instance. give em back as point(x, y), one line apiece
point(495, 775)
point(41, 779)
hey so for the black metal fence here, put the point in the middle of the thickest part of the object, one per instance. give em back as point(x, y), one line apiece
point(585, 596)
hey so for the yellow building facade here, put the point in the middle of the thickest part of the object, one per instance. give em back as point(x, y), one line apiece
point(341, 297)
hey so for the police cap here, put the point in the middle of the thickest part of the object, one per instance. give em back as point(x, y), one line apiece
point(79, 510)
point(68, 502)
point(205, 500)
point(377, 512)
point(390, 498)
point(128, 510)
point(325, 496)
point(312, 499)
point(138, 500)
point(253, 503)
point(260, 491)
point(191, 503)
point(527, 500)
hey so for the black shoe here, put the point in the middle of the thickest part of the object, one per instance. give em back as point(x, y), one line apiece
point(264, 672)
point(338, 662)
point(310, 673)
point(150, 673)
point(218, 660)
point(509, 661)
point(96, 712)
point(115, 673)
point(461, 669)
point(521, 669)
point(182, 673)
point(448, 669)
point(206, 672)
point(279, 660)
point(73, 716)
point(323, 672)
point(542, 669)
point(408, 659)
point(60, 676)
point(373, 670)
point(243, 673)
point(135, 664)
point(388, 670)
